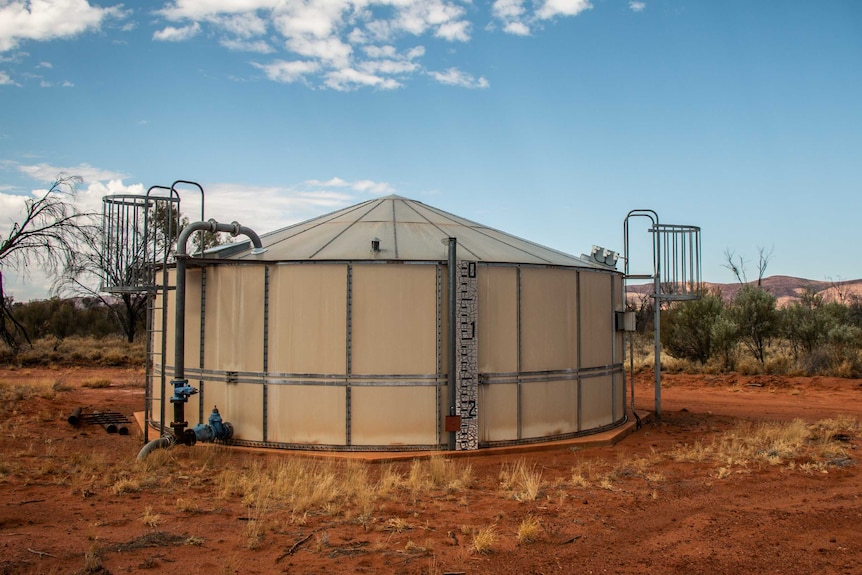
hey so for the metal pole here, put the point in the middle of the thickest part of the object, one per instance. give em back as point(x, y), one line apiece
point(657, 317)
point(657, 321)
point(453, 326)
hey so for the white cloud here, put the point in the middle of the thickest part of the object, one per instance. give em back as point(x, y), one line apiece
point(45, 65)
point(335, 182)
point(172, 34)
point(288, 72)
point(246, 25)
point(259, 46)
point(347, 79)
point(5, 80)
point(41, 20)
point(517, 28)
point(517, 19)
point(637, 6)
point(337, 44)
point(330, 51)
point(376, 188)
point(553, 8)
point(455, 77)
point(47, 173)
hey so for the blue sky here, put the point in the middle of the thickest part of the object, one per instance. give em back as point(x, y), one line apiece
point(549, 119)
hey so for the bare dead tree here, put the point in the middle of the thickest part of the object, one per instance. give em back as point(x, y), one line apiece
point(737, 267)
point(736, 264)
point(86, 276)
point(49, 235)
point(763, 258)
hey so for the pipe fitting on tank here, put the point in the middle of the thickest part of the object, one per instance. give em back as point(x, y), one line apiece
point(182, 391)
point(215, 429)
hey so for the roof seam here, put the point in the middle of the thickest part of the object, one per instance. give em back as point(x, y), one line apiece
point(441, 230)
point(334, 215)
point(478, 229)
point(339, 234)
point(395, 227)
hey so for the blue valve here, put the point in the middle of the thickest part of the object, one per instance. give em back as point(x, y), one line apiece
point(215, 429)
point(182, 391)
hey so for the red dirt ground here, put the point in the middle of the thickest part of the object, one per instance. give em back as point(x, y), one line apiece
point(58, 500)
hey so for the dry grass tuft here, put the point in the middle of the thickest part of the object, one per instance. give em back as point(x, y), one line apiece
point(530, 530)
point(126, 485)
point(438, 473)
point(521, 481)
point(484, 540)
point(151, 519)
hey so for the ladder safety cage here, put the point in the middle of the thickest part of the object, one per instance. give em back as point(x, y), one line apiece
point(680, 261)
point(137, 235)
point(676, 277)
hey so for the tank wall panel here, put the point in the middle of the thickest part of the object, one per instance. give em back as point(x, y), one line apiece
point(619, 397)
point(307, 414)
point(597, 402)
point(234, 319)
point(549, 408)
point(498, 412)
point(240, 404)
point(394, 415)
point(596, 320)
point(498, 319)
point(193, 343)
point(619, 306)
point(169, 328)
point(549, 319)
point(394, 319)
point(308, 319)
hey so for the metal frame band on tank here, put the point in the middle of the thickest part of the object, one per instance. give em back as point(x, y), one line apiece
point(349, 380)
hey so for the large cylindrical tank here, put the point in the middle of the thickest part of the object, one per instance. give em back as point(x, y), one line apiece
point(338, 336)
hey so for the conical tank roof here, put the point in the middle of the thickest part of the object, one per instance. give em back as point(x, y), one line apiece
point(406, 230)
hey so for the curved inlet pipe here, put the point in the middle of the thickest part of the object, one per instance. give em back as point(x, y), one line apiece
point(181, 387)
point(161, 443)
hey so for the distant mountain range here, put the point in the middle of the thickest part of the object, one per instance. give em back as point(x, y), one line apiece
point(786, 289)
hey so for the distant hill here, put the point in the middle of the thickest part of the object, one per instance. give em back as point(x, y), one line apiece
point(786, 289)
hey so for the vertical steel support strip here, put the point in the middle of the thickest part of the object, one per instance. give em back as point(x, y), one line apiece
point(613, 352)
point(265, 349)
point(657, 317)
point(348, 368)
point(439, 352)
point(518, 415)
point(202, 356)
point(580, 334)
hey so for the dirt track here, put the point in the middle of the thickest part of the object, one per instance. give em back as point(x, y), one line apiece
point(62, 497)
